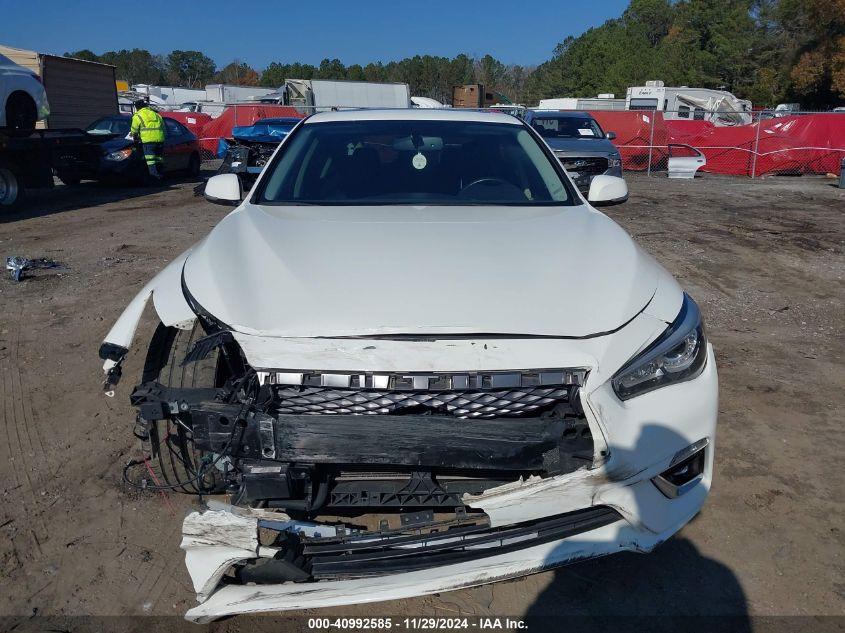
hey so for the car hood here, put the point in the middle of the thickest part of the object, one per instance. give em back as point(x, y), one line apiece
point(111, 142)
point(304, 271)
point(581, 145)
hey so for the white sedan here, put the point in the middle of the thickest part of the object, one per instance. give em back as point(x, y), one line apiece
point(415, 358)
point(22, 97)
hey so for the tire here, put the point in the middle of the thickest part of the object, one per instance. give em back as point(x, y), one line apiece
point(20, 112)
point(11, 191)
point(194, 165)
point(170, 443)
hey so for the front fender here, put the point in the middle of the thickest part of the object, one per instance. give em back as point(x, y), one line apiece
point(170, 305)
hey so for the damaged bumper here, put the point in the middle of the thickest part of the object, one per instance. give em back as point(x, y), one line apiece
point(244, 560)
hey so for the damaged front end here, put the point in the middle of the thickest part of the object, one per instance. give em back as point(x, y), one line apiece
point(246, 159)
point(309, 442)
point(362, 455)
point(332, 487)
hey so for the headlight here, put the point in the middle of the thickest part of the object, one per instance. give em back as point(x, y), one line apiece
point(122, 154)
point(678, 355)
point(614, 160)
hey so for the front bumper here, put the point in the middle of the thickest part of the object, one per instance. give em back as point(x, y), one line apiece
point(86, 166)
point(582, 167)
point(534, 524)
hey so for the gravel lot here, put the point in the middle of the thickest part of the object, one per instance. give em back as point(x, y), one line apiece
point(763, 258)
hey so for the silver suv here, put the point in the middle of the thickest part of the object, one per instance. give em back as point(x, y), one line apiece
point(579, 143)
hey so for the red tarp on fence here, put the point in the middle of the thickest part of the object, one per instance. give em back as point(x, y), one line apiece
point(810, 143)
point(233, 116)
point(194, 121)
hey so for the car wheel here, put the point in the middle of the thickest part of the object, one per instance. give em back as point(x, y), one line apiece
point(194, 165)
point(170, 443)
point(11, 192)
point(70, 181)
point(20, 112)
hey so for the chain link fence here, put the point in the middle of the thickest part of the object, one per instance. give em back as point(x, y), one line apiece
point(762, 143)
point(759, 144)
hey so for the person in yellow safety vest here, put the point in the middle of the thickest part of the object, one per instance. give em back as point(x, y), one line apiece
point(148, 127)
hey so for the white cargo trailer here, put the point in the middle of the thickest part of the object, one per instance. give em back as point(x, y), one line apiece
point(222, 93)
point(324, 94)
point(602, 102)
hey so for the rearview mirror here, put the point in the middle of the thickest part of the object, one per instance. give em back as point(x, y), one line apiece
point(224, 189)
point(606, 191)
point(419, 143)
point(610, 136)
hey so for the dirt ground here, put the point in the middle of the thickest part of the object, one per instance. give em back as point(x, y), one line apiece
point(763, 258)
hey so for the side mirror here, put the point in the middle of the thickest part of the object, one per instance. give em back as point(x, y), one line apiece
point(606, 191)
point(224, 189)
point(610, 136)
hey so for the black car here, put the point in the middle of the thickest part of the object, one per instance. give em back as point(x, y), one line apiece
point(111, 156)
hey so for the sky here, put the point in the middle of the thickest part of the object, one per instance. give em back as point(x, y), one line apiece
point(259, 32)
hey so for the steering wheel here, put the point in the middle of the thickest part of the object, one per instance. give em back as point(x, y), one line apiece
point(506, 191)
point(486, 180)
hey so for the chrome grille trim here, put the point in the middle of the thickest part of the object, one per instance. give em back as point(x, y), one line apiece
point(427, 381)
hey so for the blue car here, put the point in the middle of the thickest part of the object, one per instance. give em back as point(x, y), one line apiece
point(252, 146)
point(265, 131)
point(579, 143)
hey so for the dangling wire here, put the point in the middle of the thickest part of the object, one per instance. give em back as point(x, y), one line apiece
point(200, 473)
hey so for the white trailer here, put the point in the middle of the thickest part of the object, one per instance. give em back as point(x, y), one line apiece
point(170, 96)
point(222, 93)
point(324, 94)
point(602, 102)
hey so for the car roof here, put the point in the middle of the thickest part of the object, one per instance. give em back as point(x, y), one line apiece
point(560, 114)
point(415, 114)
point(279, 119)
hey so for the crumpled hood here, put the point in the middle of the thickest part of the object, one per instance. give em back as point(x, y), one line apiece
point(585, 144)
point(304, 271)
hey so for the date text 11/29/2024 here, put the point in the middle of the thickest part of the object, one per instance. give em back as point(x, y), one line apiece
point(418, 624)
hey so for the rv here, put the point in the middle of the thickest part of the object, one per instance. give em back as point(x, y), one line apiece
point(698, 104)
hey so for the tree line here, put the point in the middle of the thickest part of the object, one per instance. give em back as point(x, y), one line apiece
point(769, 51)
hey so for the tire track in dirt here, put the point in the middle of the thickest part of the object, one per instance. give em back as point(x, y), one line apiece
point(29, 426)
point(152, 588)
point(7, 464)
point(22, 450)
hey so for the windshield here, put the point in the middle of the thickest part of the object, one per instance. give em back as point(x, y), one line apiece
point(109, 126)
point(413, 162)
point(567, 127)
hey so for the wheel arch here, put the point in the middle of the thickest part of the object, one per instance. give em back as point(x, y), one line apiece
point(169, 303)
point(20, 94)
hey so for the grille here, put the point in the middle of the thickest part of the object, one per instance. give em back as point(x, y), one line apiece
point(459, 394)
point(587, 166)
point(460, 404)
